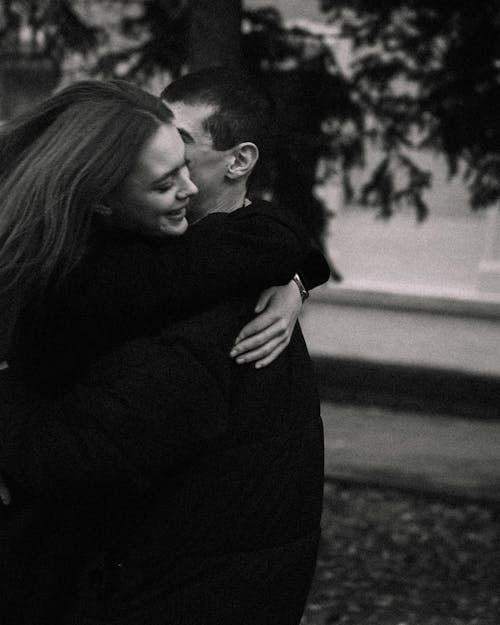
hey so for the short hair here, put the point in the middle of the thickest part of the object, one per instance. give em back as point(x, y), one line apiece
point(244, 110)
point(60, 161)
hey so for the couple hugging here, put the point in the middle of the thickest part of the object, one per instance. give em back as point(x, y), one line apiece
point(161, 446)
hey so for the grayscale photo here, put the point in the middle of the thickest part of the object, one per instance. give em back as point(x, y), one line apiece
point(249, 312)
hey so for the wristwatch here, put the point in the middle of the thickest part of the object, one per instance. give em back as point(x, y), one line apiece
point(304, 293)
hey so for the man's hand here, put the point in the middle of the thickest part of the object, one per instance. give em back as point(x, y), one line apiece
point(4, 492)
point(265, 337)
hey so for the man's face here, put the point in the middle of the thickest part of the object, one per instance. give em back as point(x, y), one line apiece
point(207, 166)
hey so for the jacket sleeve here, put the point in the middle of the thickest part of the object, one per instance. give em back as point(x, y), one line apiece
point(274, 260)
point(129, 422)
point(143, 284)
point(315, 270)
point(252, 251)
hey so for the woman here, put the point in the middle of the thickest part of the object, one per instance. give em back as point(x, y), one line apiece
point(90, 183)
point(68, 182)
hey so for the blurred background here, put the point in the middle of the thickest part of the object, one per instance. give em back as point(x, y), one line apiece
point(388, 141)
point(390, 148)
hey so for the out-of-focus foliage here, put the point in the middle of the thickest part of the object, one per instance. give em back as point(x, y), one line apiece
point(427, 73)
point(35, 39)
point(43, 28)
point(420, 74)
point(156, 33)
point(319, 120)
point(131, 39)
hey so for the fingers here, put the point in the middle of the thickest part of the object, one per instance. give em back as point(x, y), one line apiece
point(266, 354)
point(272, 356)
point(256, 326)
point(278, 330)
point(264, 338)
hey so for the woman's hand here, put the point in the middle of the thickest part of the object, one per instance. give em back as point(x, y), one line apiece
point(265, 337)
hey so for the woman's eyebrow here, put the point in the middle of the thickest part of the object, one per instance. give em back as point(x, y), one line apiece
point(169, 173)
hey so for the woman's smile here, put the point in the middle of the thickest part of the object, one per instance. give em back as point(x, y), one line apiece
point(177, 213)
point(173, 222)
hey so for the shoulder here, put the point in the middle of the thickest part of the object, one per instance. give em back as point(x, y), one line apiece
point(114, 253)
point(115, 275)
point(263, 209)
point(258, 211)
point(257, 207)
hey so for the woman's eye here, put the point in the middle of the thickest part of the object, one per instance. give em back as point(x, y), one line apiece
point(164, 188)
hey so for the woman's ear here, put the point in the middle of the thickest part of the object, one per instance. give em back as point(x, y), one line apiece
point(244, 157)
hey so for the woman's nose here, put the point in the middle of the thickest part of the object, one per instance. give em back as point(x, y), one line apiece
point(188, 188)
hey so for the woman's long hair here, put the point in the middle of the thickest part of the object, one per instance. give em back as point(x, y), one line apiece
point(58, 163)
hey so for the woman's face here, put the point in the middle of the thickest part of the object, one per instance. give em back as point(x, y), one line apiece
point(153, 198)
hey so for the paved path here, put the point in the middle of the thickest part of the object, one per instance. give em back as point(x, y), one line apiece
point(432, 453)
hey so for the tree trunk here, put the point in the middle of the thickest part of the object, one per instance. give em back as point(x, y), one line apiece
point(215, 33)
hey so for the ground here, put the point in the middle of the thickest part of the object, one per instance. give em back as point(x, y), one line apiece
point(389, 557)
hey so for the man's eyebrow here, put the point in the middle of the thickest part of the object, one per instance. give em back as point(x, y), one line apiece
point(167, 174)
point(186, 136)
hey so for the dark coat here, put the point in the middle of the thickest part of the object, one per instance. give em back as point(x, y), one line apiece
point(94, 446)
point(227, 532)
point(130, 285)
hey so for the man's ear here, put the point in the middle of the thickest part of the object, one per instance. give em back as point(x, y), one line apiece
point(243, 159)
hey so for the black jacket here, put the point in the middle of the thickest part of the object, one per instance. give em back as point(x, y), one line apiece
point(129, 285)
point(94, 443)
point(226, 529)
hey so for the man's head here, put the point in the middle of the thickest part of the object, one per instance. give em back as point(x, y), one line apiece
point(227, 120)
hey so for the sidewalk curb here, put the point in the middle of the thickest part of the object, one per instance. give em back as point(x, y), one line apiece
point(409, 387)
point(457, 303)
point(488, 495)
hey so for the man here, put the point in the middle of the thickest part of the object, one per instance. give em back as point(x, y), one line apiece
point(224, 520)
point(228, 124)
point(243, 518)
